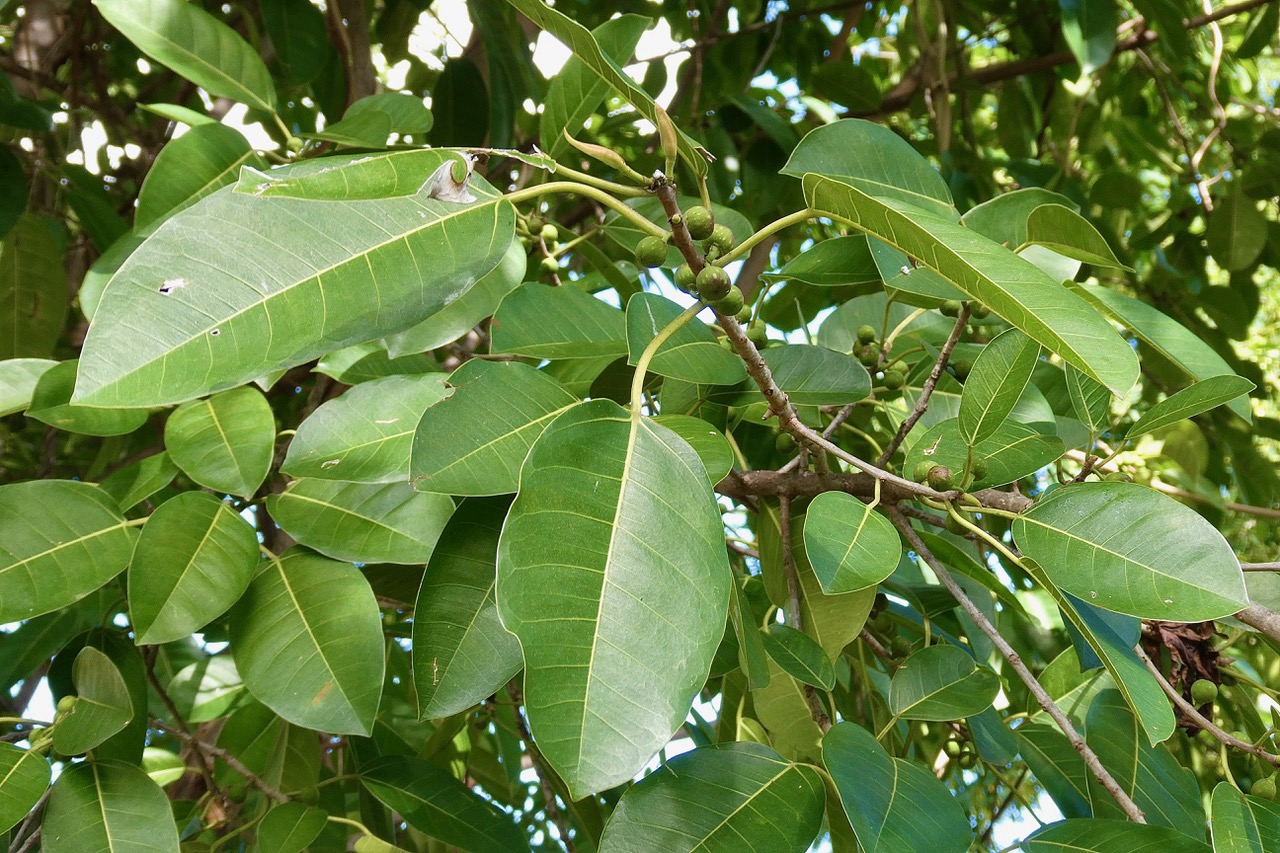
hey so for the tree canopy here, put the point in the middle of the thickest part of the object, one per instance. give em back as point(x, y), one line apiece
point(639, 426)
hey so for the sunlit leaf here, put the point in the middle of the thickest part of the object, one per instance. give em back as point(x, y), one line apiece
point(107, 805)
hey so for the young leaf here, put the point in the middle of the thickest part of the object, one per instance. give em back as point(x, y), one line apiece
point(799, 655)
point(1130, 549)
point(107, 805)
point(617, 634)
point(941, 683)
point(461, 652)
point(103, 706)
point(307, 638)
point(1193, 400)
point(693, 353)
point(738, 796)
point(196, 45)
point(576, 91)
point(995, 384)
point(224, 442)
point(193, 560)
point(849, 544)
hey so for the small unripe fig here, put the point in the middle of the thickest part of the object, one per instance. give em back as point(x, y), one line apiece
point(901, 647)
point(731, 303)
point(651, 252)
point(979, 311)
point(961, 367)
point(921, 472)
point(866, 333)
point(758, 334)
point(66, 703)
point(868, 354)
point(713, 283)
point(549, 232)
point(953, 748)
point(940, 479)
point(951, 308)
point(784, 443)
point(550, 265)
point(894, 379)
point(721, 238)
point(1203, 692)
point(685, 279)
point(954, 526)
point(1264, 788)
point(744, 316)
point(700, 222)
point(979, 468)
point(969, 760)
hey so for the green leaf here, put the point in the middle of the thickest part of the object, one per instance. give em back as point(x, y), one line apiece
point(576, 91)
point(12, 174)
point(365, 435)
point(132, 485)
point(892, 804)
point(1004, 218)
point(1193, 400)
point(199, 47)
point(1109, 836)
point(1240, 824)
point(1130, 549)
point(368, 361)
point(460, 100)
point(995, 384)
point(224, 442)
point(59, 541)
point(407, 114)
point(50, 404)
point(434, 802)
point(102, 705)
point(208, 689)
point(362, 522)
point(473, 442)
point(941, 683)
point(1011, 286)
point(1057, 767)
point(18, 380)
point(300, 37)
point(579, 40)
point(751, 654)
point(693, 353)
point(193, 560)
point(291, 827)
point(1237, 232)
point(1089, 400)
point(799, 656)
point(783, 709)
point(368, 130)
point(849, 544)
point(908, 284)
point(709, 443)
point(874, 159)
point(461, 316)
point(1066, 232)
point(732, 797)
point(307, 639)
point(162, 766)
point(202, 160)
point(1163, 334)
point(461, 652)
point(24, 777)
point(329, 274)
point(107, 805)
point(617, 633)
point(1089, 27)
point(557, 322)
point(817, 376)
point(1014, 451)
point(837, 262)
point(33, 290)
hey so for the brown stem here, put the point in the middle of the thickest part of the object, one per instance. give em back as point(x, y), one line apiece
point(794, 615)
point(540, 768)
point(799, 484)
point(226, 757)
point(1091, 760)
point(197, 746)
point(1264, 620)
point(922, 402)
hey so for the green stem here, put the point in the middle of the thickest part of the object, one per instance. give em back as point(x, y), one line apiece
point(642, 366)
point(601, 183)
point(592, 193)
point(743, 248)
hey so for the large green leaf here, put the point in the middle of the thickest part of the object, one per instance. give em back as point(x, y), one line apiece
point(817, 376)
point(1109, 836)
point(183, 317)
point(33, 290)
point(910, 284)
point(874, 159)
point(362, 522)
point(782, 707)
point(1131, 549)
point(1163, 334)
point(831, 263)
point(365, 435)
point(995, 384)
point(291, 827)
point(202, 160)
point(693, 353)
point(1012, 287)
point(576, 91)
point(50, 403)
point(1066, 232)
point(193, 560)
point(434, 802)
point(1004, 218)
point(892, 804)
point(579, 39)
point(733, 797)
point(190, 41)
point(224, 442)
point(941, 682)
point(107, 805)
point(708, 442)
point(1240, 824)
point(1237, 232)
point(307, 639)
point(24, 776)
point(1193, 400)
point(135, 483)
point(799, 656)
point(461, 652)
point(59, 541)
point(613, 573)
point(473, 442)
point(18, 380)
point(557, 322)
point(102, 704)
point(849, 544)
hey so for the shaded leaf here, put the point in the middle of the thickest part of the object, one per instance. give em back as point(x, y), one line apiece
point(33, 290)
point(1195, 399)
point(941, 683)
point(1057, 767)
point(50, 404)
point(1089, 27)
point(291, 827)
point(799, 655)
point(1012, 452)
point(107, 805)
point(224, 442)
point(1089, 400)
point(817, 376)
point(132, 485)
point(18, 379)
point(1240, 824)
point(848, 543)
point(709, 443)
point(693, 353)
point(368, 361)
point(837, 262)
point(1237, 232)
point(24, 776)
point(1109, 836)
point(1004, 218)
point(102, 707)
point(557, 322)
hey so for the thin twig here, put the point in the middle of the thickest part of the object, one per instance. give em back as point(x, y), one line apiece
point(922, 402)
point(230, 760)
point(540, 768)
point(202, 758)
